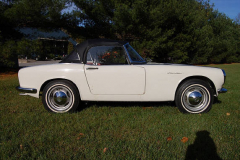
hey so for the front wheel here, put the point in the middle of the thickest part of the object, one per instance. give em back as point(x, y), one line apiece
point(194, 96)
point(60, 96)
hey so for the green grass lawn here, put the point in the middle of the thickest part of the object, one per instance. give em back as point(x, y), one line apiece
point(119, 130)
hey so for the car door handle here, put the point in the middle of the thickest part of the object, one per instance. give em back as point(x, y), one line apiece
point(91, 68)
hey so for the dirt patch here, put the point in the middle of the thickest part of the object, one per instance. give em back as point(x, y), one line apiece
point(6, 73)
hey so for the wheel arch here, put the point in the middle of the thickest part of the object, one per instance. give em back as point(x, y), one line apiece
point(55, 79)
point(197, 77)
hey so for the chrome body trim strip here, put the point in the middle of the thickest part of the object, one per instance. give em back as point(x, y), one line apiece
point(23, 94)
point(222, 90)
point(26, 90)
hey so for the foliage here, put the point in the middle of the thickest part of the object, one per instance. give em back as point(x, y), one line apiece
point(7, 26)
point(11, 50)
point(113, 56)
point(24, 47)
point(110, 130)
point(8, 53)
point(178, 31)
point(186, 31)
point(44, 14)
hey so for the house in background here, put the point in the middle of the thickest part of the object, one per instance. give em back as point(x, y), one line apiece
point(55, 42)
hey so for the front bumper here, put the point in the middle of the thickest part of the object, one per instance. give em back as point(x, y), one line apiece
point(222, 90)
point(26, 90)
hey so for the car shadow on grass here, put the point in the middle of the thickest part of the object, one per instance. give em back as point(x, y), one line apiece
point(85, 105)
point(203, 148)
point(216, 101)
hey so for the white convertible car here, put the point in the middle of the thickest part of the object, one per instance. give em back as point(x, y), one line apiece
point(110, 70)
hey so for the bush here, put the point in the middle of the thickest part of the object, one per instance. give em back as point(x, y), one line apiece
point(8, 54)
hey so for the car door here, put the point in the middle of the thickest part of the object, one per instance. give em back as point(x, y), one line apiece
point(108, 73)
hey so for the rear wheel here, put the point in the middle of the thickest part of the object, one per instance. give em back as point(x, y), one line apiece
point(60, 96)
point(194, 96)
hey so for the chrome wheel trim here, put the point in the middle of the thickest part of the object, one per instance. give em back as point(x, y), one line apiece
point(59, 98)
point(195, 98)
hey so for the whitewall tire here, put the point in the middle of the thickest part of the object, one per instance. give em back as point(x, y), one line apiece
point(194, 96)
point(60, 96)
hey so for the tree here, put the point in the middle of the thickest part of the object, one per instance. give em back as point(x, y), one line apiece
point(44, 15)
point(237, 19)
point(179, 31)
point(8, 53)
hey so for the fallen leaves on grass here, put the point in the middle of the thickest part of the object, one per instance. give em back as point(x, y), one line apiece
point(105, 150)
point(169, 138)
point(21, 147)
point(80, 136)
point(228, 114)
point(184, 139)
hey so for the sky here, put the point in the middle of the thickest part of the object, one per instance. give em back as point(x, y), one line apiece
point(230, 7)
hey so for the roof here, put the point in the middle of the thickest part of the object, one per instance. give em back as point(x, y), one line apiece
point(72, 41)
point(79, 54)
point(34, 33)
point(105, 42)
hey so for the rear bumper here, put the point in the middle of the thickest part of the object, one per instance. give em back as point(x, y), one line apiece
point(26, 90)
point(222, 90)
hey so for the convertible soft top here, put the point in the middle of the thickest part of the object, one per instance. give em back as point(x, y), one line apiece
point(78, 55)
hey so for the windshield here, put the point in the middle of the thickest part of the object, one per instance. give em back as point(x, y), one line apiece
point(133, 55)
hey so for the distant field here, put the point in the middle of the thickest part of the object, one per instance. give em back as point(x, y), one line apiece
point(119, 130)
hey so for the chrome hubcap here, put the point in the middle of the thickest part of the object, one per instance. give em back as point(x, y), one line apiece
point(60, 97)
point(195, 98)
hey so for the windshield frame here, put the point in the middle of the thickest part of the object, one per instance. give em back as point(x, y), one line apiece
point(138, 55)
